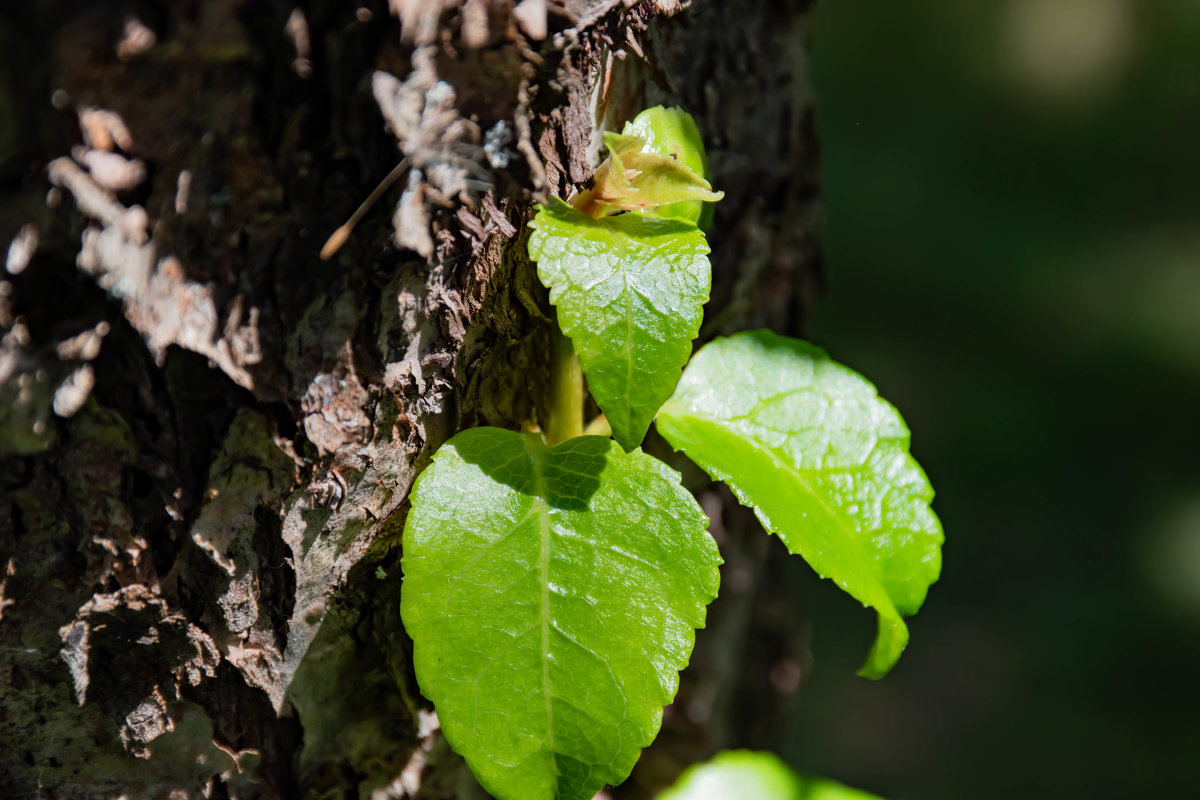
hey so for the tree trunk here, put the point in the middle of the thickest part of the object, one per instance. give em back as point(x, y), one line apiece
point(207, 433)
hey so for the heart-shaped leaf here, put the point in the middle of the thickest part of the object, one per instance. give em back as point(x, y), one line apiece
point(551, 595)
point(824, 462)
point(630, 292)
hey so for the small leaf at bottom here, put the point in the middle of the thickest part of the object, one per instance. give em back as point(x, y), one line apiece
point(749, 775)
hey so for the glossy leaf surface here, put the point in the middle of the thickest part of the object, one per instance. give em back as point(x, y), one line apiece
point(824, 462)
point(630, 292)
point(748, 775)
point(552, 596)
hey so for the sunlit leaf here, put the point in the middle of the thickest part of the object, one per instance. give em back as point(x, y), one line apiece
point(551, 595)
point(824, 462)
point(630, 292)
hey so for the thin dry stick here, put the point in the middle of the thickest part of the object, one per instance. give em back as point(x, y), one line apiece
point(339, 237)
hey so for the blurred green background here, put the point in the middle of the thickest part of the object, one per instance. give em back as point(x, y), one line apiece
point(1013, 238)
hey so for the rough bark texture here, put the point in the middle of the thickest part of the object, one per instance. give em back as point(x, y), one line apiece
point(207, 434)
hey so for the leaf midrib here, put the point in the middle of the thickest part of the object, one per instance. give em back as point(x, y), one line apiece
point(543, 508)
point(628, 347)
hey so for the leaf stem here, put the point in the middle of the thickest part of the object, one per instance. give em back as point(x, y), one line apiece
point(566, 391)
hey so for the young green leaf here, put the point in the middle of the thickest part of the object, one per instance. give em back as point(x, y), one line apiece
point(749, 775)
point(551, 595)
point(824, 462)
point(635, 179)
point(672, 132)
point(656, 164)
point(630, 292)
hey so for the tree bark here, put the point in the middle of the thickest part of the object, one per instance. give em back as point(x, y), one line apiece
point(208, 433)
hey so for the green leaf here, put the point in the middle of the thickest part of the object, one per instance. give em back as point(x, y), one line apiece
point(748, 775)
point(551, 595)
point(630, 292)
point(672, 132)
point(824, 462)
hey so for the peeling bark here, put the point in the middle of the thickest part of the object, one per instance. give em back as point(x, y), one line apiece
point(208, 433)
